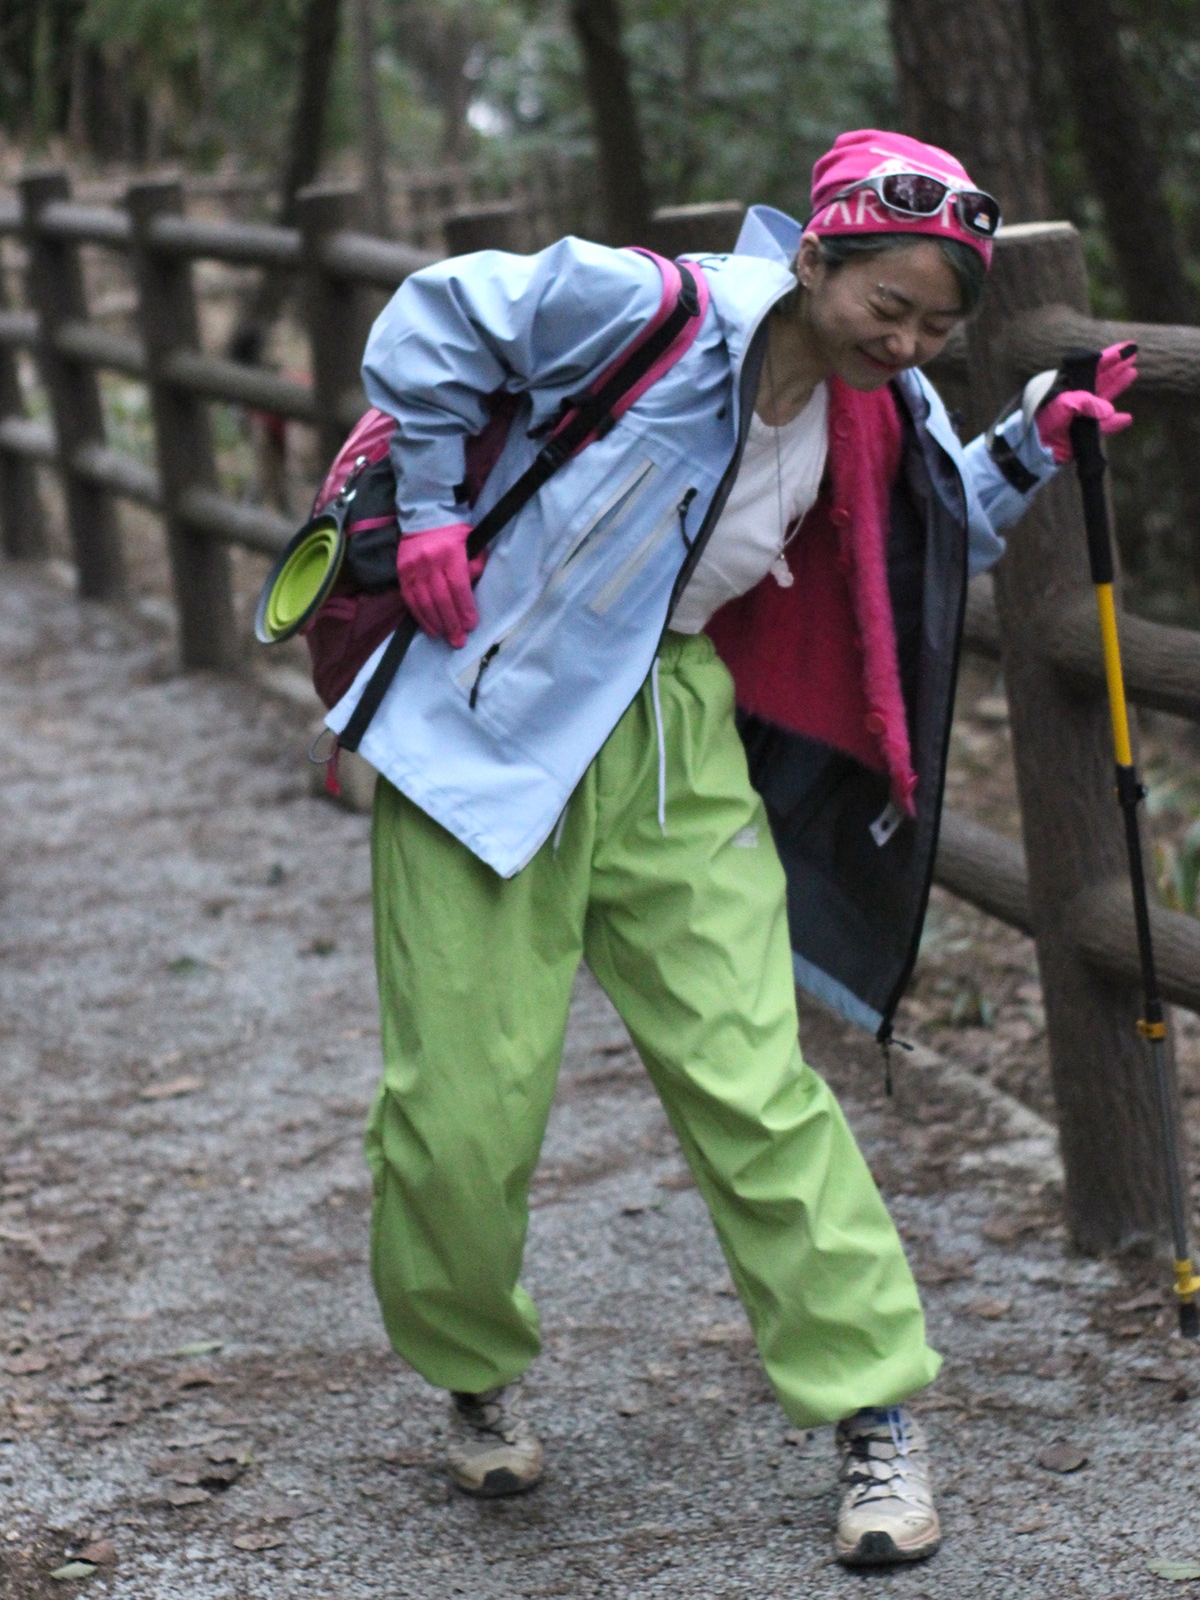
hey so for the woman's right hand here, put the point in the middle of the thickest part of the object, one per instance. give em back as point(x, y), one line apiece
point(435, 581)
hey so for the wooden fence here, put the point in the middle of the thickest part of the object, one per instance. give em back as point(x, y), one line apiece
point(1067, 887)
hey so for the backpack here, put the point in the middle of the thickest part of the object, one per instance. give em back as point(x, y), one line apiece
point(364, 605)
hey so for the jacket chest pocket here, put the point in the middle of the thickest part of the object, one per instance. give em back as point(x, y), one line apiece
point(574, 572)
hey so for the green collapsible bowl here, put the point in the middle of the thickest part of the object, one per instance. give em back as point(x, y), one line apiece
point(299, 582)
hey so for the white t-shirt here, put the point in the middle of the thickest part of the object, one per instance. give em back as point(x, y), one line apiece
point(785, 461)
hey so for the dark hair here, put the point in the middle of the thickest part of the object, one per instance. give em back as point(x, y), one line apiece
point(965, 262)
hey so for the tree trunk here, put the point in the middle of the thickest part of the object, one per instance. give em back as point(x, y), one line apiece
point(318, 53)
point(966, 83)
point(626, 192)
point(1125, 173)
point(371, 134)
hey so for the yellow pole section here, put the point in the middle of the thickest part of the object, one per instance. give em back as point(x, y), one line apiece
point(1112, 671)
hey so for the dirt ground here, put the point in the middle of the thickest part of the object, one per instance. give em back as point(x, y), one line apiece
point(195, 1387)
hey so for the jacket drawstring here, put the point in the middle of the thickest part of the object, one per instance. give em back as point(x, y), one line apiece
point(559, 826)
point(662, 748)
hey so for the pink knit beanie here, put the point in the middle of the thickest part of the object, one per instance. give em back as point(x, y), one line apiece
point(871, 153)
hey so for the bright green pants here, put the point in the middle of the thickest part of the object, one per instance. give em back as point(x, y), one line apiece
point(686, 931)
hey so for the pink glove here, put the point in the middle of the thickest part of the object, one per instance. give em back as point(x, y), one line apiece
point(436, 578)
point(1115, 371)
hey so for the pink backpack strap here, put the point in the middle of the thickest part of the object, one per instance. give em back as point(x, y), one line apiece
point(672, 288)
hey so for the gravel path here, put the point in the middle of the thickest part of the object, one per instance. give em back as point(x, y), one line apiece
point(193, 1370)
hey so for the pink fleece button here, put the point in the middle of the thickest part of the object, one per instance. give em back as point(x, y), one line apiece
point(874, 723)
point(843, 428)
point(840, 517)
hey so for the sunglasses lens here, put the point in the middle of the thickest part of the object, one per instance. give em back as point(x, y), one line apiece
point(914, 193)
point(979, 212)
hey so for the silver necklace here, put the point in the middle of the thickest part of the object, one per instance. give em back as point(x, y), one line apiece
point(780, 570)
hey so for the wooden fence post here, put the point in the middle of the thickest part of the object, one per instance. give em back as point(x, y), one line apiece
point(1103, 1086)
point(490, 226)
point(712, 226)
point(167, 315)
point(333, 310)
point(55, 291)
point(22, 527)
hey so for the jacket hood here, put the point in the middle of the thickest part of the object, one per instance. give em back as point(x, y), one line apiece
point(770, 233)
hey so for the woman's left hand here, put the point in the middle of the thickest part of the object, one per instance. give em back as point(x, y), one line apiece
point(1115, 371)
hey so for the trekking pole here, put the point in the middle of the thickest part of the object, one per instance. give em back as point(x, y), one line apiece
point(1079, 372)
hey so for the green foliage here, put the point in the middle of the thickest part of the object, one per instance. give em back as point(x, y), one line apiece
point(735, 101)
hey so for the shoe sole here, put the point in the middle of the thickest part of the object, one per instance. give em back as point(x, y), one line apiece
point(881, 1550)
point(498, 1483)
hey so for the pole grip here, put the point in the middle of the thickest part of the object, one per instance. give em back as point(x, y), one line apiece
point(1078, 371)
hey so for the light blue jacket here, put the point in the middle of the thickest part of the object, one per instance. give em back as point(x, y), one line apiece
point(490, 740)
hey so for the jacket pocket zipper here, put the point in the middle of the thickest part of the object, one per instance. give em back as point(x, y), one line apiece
point(485, 661)
point(591, 535)
point(616, 586)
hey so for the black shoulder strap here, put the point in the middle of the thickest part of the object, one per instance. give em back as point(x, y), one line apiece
point(592, 417)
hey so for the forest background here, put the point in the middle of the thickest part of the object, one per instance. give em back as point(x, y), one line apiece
point(1091, 113)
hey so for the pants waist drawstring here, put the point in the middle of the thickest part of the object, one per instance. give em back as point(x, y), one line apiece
point(662, 748)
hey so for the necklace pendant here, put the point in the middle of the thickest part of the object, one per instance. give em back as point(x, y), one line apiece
point(781, 572)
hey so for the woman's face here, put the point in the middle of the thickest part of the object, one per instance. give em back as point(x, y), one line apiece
point(874, 316)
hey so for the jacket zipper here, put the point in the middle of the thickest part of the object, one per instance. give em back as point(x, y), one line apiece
point(884, 1033)
point(752, 364)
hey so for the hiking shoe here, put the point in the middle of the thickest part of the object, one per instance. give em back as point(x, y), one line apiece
point(493, 1450)
point(886, 1513)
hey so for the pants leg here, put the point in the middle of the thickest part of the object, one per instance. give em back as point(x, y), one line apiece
point(475, 976)
point(687, 932)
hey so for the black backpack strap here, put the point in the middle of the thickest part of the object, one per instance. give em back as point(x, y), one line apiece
point(591, 418)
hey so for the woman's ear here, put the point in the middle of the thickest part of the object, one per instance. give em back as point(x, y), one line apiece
point(808, 260)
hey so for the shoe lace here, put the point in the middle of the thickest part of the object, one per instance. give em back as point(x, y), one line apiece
point(871, 1477)
point(488, 1413)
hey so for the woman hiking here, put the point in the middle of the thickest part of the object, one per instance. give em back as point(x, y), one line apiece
point(690, 726)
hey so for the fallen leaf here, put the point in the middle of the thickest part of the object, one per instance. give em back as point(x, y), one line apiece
point(634, 1208)
point(194, 1378)
point(101, 1554)
point(73, 1569)
point(1129, 1330)
point(1062, 1458)
point(221, 1475)
point(172, 1089)
point(1033, 1525)
point(629, 1408)
point(726, 1333)
point(934, 1273)
point(262, 1540)
point(199, 1347)
point(991, 1310)
point(230, 1452)
point(1159, 1374)
point(1148, 1300)
point(1003, 1230)
point(186, 1497)
point(23, 1365)
point(195, 1443)
point(1176, 1571)
point(88, 1377)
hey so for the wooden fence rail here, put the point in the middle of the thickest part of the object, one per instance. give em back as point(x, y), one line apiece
point(1067, 887)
